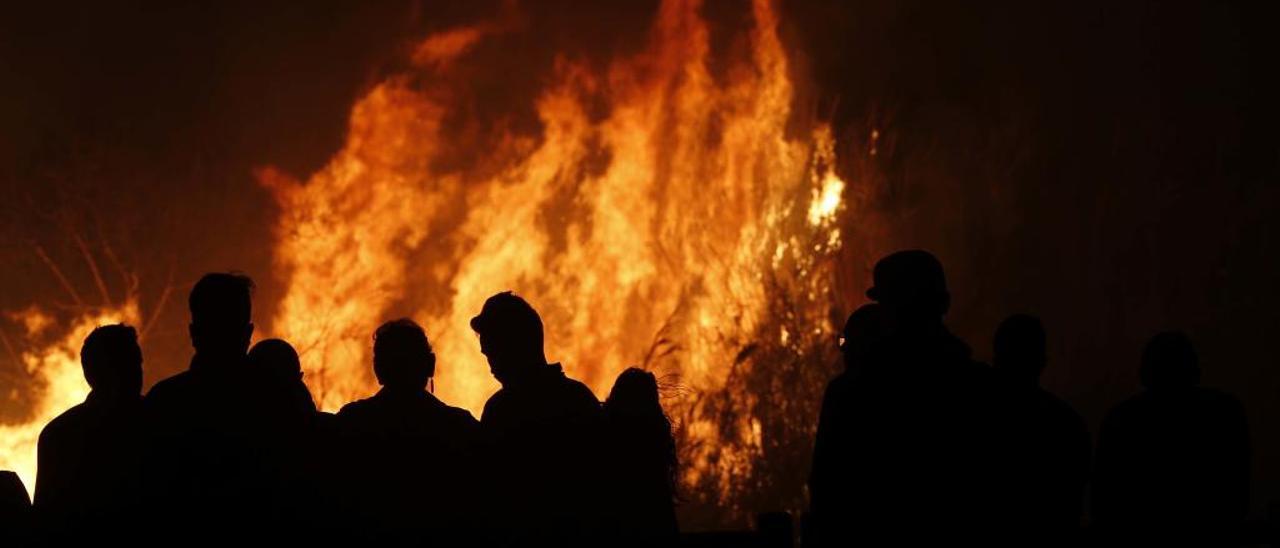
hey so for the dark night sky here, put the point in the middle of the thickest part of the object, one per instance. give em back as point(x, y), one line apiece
point(1111, 166)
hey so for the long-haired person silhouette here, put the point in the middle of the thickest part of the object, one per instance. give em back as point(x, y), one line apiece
point(642, 461)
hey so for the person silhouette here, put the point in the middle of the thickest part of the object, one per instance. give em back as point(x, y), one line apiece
point(834, 445)
point(89, 457)
point(15, 510)
point(413, 454)
point(1046, 447)
point(544, 431)
point(279, 362)
point(210, 427)
point(1173, 461)
point(642, 461)
point(920, 415)
point(296, 444)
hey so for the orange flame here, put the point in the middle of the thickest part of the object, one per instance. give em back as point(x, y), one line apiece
point(659, 257)
point(56, 367)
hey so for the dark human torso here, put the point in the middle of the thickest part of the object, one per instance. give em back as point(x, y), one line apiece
point(413, 460)
point(544, 435)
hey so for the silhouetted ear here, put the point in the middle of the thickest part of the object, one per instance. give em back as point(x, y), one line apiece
point(431, 364)
point(944, 303)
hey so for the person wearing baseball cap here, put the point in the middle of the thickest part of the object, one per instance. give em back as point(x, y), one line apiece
point(921, 416)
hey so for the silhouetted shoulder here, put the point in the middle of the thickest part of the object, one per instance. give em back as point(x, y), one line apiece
point(580, 394)
point(355, 408)
point(383, 412)
point(1063, 410)
point(1124, 410)
point(69, 421)
point(14, 507)
point(1222, 400)
point(460, 415)
point(13, 493)
point(496, 405)
point(170, 388)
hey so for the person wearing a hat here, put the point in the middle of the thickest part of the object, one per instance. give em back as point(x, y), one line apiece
point(921, 467)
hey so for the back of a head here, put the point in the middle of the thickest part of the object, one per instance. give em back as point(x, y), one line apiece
point(402, 356)
point(634, 394)
point(911, 285)
point(277, 358)
point(1170, 361)
point(1019, 346)
point(866, 327)
point(510, 332)
point(221, 305)
point(112, 360)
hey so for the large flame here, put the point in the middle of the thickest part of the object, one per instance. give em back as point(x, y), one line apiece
point(53, 359)
point(664, 233)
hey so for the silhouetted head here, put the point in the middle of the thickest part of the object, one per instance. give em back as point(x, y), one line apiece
point(221, 304)
point(866, 327)
point(634, 394)
point(112, 361)
point(911, 286)
point(510, 336)
point(278, 362)
point(1169, 361)
point(402, 356)
point(277, 358)
point(1019, 347)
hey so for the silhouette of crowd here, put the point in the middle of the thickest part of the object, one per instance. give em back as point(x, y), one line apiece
point(917, 443)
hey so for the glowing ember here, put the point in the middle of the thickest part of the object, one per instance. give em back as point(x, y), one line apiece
point(54, 361)
point(649, 235)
